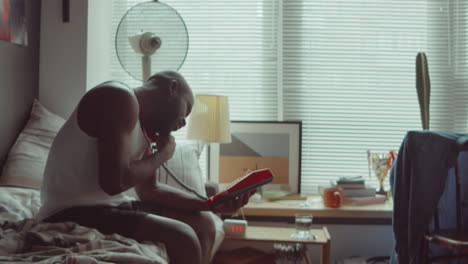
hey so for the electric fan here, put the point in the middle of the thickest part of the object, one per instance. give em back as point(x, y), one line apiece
point(151, 37)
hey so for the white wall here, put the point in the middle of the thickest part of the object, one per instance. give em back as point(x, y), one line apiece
point(62, 67)
point(73, 55)
point(99, 35)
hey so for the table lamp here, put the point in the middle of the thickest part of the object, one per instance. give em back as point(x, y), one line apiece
point(209, 121)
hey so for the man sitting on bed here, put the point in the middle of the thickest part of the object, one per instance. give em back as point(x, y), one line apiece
point(103, 150)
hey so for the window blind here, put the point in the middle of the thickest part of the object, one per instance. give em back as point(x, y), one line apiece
point(459, 59)
point(232, 52)
point(349, 74)
point(346, 68)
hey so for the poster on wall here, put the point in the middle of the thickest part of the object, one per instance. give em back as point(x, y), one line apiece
point(257, 145)
point(13, 26)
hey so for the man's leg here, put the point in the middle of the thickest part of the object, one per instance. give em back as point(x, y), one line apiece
point(181, 241)
point(203, 225)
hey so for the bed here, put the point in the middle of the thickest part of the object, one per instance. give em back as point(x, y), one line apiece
point(23, 239)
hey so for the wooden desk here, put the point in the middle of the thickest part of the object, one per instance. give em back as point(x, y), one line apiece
point(314, 206)
point(282, 235)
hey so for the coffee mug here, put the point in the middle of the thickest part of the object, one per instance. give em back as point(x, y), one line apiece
point(332, 196)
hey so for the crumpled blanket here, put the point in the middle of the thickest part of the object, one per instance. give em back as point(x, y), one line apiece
point(31, 241)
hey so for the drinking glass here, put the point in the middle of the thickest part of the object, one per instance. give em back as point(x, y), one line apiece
point(303, 224)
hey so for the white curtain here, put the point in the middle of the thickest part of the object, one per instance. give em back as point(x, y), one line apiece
point(345, 68)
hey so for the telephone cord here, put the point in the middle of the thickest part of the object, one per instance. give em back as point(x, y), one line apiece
point(182, 184)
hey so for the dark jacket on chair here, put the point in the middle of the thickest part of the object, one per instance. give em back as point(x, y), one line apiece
point(418, 179)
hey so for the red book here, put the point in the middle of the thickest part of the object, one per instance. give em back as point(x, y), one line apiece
point(242, 185)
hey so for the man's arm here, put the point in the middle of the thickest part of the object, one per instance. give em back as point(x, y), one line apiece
point(169, 196)
point(110, 114)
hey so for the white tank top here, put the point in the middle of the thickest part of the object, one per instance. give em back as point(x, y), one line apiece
point(71, 176)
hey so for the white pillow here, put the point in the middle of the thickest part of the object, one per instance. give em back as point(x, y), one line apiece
point(26, 160)
point(186, 167)
point(18, 203)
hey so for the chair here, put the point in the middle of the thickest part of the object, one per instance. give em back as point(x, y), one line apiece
point(454, 240)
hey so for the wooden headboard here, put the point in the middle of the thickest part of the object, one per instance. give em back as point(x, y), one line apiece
point(19, 80)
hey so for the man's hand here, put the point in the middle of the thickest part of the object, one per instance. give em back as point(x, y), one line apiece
point(165, 150)
point(166, 147)
point(232, 205)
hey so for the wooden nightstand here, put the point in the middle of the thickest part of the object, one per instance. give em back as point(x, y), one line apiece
point(282, 235)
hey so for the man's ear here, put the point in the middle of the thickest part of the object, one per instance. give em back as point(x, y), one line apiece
point(174, 87)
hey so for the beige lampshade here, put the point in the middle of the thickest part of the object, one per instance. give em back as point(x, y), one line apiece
point(209, 120)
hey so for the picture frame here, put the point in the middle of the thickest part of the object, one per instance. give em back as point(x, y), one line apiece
point(257, 145)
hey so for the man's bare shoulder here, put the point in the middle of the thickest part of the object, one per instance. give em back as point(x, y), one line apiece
point(111, 106)
point(111, 91)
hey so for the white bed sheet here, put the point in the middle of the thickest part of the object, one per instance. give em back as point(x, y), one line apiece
point(26, 240)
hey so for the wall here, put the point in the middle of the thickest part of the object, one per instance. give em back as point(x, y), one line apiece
point(73, 54)
point(62, 72)
point(19, 67)
point(99, 36)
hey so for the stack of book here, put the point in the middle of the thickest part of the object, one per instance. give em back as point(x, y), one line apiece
point(357, 192)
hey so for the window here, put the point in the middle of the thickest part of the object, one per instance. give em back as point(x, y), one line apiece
point(346, 68)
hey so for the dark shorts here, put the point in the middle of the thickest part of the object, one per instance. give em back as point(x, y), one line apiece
point(122, 219)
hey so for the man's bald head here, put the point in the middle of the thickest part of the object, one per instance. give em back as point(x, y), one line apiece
point(169, 100)
point(165, 78)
